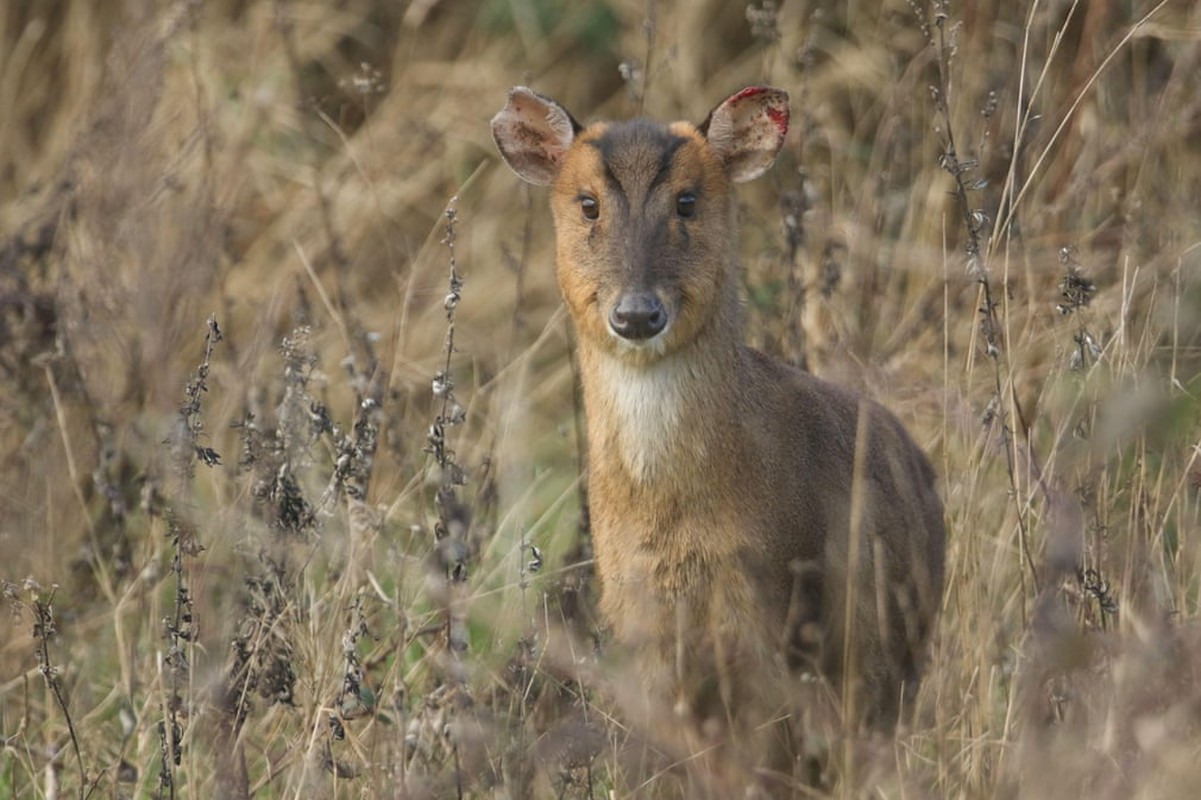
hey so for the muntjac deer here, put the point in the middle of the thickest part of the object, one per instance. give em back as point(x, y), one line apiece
point(747, 517)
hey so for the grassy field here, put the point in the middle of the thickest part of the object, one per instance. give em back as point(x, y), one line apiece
point(290, 497)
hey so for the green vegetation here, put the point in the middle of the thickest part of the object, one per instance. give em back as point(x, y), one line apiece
point(290, 492)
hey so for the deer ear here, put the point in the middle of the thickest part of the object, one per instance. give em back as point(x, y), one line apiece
point(747, 130)
point(532, 133)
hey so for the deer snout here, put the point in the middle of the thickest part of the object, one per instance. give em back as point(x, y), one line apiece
point(638, 316)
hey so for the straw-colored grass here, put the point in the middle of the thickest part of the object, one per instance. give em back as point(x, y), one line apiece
point(263, 547)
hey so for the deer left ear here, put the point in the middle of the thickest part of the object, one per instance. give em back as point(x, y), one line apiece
point(747, 130)
point(532, 133)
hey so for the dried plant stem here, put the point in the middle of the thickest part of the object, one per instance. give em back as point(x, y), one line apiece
point(98, 563)
point(519, 277)
point(180, 627)
point(648, 31)
point(453, 295)
point(453, 516)
point(974, 221)
point(326, 300)
point(44, 628)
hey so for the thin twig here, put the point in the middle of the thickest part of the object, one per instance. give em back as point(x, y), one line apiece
point(648, 30)
point(974, 221)
point(43, 629)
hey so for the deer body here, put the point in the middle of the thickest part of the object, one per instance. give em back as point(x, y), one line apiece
point(740, 524)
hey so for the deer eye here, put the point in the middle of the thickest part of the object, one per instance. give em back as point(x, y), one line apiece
point(686, 204)
point(590, 207)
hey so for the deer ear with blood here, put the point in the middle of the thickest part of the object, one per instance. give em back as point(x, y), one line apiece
point(532, 132)
point(747, 130)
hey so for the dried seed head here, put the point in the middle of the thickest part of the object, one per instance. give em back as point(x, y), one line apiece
point(1075, 289)
point(764, 22)
point(974, 267)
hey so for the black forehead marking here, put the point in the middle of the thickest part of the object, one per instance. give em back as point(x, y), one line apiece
point(623, 141)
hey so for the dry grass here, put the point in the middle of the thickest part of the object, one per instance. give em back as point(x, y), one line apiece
point(277, 564)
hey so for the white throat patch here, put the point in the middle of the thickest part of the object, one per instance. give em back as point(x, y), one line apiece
point(647, 403)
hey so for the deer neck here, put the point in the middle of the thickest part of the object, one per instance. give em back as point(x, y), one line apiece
point(657, 422)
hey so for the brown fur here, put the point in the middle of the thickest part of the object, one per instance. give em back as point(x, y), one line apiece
point(724, 485)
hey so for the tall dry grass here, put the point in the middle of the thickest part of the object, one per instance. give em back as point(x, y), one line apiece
point(317, 548)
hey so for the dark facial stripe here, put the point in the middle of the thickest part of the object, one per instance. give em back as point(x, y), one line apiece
point(621, 140)
point(669, 154)
point(610, 178)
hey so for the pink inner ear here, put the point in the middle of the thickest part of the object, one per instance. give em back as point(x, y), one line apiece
point(778, 115)
point(747, 130)
point(532, 133)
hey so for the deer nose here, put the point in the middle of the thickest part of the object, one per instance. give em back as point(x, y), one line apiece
point(638, 316)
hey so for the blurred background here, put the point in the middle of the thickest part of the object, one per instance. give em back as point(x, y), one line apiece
point(304, 544)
